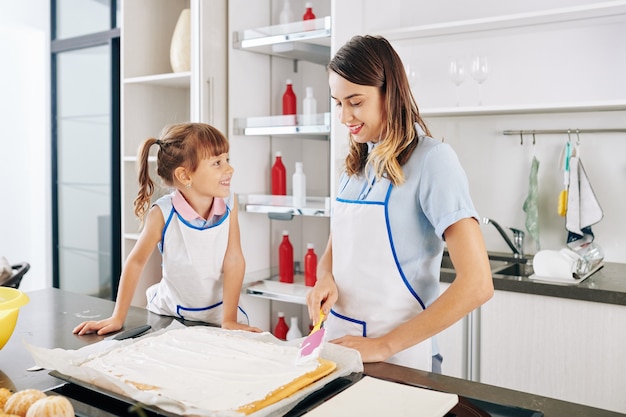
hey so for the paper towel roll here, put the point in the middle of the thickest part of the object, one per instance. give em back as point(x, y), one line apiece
point(555, 263)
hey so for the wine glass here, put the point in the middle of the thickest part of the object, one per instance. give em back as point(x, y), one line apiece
point(480, 71)
point(457, 72)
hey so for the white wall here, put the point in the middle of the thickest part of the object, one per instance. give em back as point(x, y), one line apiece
point(25, 221)
point(565, 63)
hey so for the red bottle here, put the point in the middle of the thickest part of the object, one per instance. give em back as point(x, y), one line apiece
point(308, 14)
point(279, 176)
point(310, 266)
point(281, 329)
point(285, 260)
point(289, 99)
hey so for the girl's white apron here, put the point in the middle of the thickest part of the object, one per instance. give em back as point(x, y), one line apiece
point(374, 295)
point(191, 286)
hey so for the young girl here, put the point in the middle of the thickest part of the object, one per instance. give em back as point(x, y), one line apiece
point(401, 196)
point(195, 228)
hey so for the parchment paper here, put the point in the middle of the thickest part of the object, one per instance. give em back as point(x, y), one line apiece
point(67, 362)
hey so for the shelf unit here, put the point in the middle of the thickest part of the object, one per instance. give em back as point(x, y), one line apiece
point(548, 44)
point(284, 125)
point(598, 10)
point(154, 96)
point(298, 51)
point(303, 40)
point(611, 105)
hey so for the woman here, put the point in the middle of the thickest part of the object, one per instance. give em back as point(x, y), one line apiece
point(402, 195)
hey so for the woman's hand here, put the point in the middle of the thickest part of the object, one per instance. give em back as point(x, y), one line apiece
point(372, 349)
point(323, 296)
point(233, 325)
point(101, 327)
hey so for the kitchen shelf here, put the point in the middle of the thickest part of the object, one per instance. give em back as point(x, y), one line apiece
point(608, 9)
point(307, 40)
point(273, 289)
point(281, 207)
point(284, 125)
point(609, 105)
point(172, 79)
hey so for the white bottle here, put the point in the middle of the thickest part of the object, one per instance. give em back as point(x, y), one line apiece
point(299, 187)
point(294, 330)
point(286, 14)
point(309, 107)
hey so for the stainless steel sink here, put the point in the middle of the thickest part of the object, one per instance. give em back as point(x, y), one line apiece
point(501, 265)
point(517, 270)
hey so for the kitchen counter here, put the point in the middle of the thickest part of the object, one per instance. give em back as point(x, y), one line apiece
point(608, 285)
point(48, 319)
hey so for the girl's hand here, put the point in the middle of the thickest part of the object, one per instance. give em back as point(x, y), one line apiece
point(323, 296)
point(233, 325)
point(372, 349)
point(101, 327)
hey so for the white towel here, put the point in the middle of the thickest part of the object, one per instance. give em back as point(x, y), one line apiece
point(583, 208)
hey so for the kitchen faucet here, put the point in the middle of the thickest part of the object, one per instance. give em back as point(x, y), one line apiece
point(517, 246)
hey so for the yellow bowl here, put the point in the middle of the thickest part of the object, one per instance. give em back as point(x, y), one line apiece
point(10, 302)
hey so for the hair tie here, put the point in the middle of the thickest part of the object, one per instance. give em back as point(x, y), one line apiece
point(158, 142)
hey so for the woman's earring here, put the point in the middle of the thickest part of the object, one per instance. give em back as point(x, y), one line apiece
point(188, 185)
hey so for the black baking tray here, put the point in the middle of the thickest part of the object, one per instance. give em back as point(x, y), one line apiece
point(92, 401)
point(100, 402)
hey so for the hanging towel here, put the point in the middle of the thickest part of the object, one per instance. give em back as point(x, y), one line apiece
point(530, 204)
point(583, 208)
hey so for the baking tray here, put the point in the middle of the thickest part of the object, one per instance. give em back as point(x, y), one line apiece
point(93, 401)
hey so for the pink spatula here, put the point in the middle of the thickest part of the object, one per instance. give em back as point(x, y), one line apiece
point(311, 345)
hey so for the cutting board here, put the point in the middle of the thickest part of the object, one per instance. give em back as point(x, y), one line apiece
point(376, 397)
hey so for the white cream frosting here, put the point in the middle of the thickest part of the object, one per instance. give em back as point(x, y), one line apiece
point(203, 367)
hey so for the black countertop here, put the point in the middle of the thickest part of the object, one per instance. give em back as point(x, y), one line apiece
point(48, 319)
point(607, 285)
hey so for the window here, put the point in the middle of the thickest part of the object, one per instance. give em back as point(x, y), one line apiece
point(85, 146)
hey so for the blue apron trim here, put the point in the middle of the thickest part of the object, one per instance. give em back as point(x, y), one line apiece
point(180, 308)
point(153, 297)
point(343, 200)
point(186, 223)
point(355, 321)
point(245, 314)
point(393, 251)
point(393, 248)
point(167, 223)
point(191, 226)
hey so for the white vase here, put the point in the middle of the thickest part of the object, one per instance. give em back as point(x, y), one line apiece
point(180, 55)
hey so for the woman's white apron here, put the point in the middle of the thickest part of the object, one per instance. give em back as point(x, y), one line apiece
point(374, 295)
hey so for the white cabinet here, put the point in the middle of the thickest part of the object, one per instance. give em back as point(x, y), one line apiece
point(540, 58)
point(559, 348)
point(263, 55)
point(455, 346)
point(153, 96)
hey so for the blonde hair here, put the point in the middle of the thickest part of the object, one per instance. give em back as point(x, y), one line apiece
point(181, 145)
point(372, 61)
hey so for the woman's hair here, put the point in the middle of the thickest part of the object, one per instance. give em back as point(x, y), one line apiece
point(372, 61)
point(181, 145)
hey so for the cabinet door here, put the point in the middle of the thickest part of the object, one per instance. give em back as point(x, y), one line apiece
point(86, 190)
point(153, 95)
point(560, 348)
